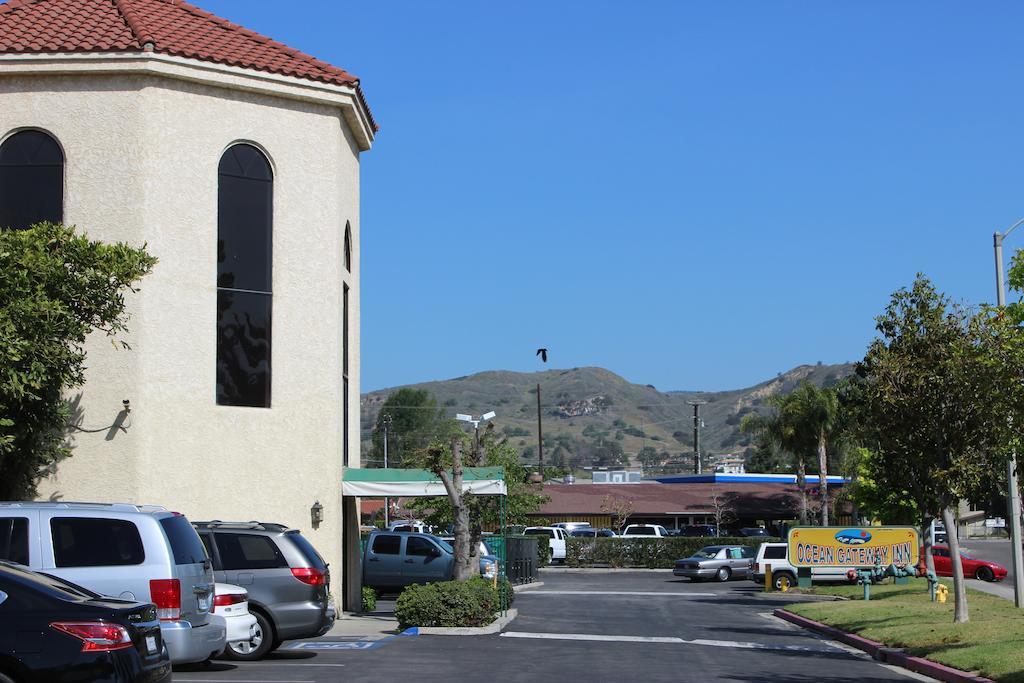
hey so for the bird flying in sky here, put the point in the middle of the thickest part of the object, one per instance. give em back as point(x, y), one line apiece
point(543, 353)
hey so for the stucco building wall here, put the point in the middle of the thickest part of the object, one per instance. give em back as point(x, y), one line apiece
point(142, 153)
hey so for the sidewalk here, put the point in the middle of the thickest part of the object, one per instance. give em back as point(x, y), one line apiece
point(373, 626)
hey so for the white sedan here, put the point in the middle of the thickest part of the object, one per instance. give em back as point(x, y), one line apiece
point(231, 603)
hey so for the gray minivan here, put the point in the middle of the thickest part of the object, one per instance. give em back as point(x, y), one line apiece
point(133, 552)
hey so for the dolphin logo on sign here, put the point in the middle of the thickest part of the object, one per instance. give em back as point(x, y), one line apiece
point(853, 536)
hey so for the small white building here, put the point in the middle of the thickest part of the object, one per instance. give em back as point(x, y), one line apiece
point(236, 160)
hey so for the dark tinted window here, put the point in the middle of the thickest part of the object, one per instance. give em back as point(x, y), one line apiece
point(31, 180)
point(419, 547)
point(244, 277)
point(385, 544)
point(95, 542)
point(348, 247)
point(641, 530)
point(185, 543)
point(940, 552)
point(248, 551)
point(312, 556)
point(208, 544)
point(14, 540)
point(775, 552)
point(540, 532)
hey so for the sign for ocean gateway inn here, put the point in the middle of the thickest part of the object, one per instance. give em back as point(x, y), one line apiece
point(865, 546)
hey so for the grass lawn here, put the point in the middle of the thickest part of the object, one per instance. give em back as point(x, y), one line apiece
point(991, 644)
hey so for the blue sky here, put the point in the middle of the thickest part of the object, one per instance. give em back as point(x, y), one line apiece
point(691, 195)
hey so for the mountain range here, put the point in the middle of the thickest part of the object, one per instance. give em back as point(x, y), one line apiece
point(591, 416)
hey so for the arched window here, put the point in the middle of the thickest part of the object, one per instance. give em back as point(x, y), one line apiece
point(31, 180)
point(245, 195)
point(348, 247)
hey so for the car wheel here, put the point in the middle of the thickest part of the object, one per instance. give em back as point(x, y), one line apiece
point(783, 582)
point(260, 645)
point(984, 574)
point(5, 679)
point(723, 574)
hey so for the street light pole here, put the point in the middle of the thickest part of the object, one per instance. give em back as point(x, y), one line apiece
point(696, 435)
point(1013, 490)
point(387, 501)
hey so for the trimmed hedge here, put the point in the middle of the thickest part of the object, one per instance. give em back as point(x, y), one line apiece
point(543, 549)
point(369, 599)
point(452, 603)
point(649, 553)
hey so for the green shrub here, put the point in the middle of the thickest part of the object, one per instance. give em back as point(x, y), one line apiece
point(651, 553)
point(506, 591)
point(369, 599)
point(450, 603)
point(543, 550)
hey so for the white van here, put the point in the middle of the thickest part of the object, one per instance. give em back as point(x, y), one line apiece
point(134, 552)
point(775, 555)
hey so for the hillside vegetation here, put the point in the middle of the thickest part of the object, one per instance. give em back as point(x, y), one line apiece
point(593, 417)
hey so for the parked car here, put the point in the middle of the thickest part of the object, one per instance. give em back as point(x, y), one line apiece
point(556, 539)
point(776, 556)
point(754, 532)
point(719, 562)
point(984, 570)
point(134, 552)
point(592, 533)
point(231, 603)
point(572, 526)
point(55, 631)
point(395, 559)
point(287, 581)
point(699, 530)
point(416, 525)
point(645, 531)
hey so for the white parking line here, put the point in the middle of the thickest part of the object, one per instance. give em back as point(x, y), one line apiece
point(680, 641)
point(665, 594)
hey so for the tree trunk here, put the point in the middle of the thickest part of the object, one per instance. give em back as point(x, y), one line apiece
point(960, 615)
point(823, 476)
point(801, 483)
point(926, 528)
point(464, 567)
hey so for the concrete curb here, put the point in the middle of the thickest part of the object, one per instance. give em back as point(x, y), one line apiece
point(882, 653)
point(598, 570)
point(527, 586)
point(494, 627)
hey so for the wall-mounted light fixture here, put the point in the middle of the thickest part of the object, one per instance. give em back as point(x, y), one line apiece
point(316, 514)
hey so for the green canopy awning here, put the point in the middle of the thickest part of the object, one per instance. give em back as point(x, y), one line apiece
point(408, 483)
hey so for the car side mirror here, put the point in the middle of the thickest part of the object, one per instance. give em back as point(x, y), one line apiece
point(435, 552)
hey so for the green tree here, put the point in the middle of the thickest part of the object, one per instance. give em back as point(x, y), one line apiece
point(649, 457)
point(933, 416)
point(416, 422)
point(56, 288)
point(778, 431)
point(815, 417)
point(522, 497)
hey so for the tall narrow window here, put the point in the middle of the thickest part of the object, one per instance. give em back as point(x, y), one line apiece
point(344, 373)
point(31, 180)
point(244, 276)
point(348, 247)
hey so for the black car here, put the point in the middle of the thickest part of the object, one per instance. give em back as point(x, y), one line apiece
point(56, 631)
point(592, 533)
point(698, 530)
point(754, 532)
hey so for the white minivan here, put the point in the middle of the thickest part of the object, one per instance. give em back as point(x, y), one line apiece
point(134, 552)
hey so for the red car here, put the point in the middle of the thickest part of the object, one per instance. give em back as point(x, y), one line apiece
point(973, 567)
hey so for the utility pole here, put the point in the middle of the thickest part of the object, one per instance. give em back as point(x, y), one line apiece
point(540, 438)
point(387, 501)
point(1012, 487)
point(696, 435)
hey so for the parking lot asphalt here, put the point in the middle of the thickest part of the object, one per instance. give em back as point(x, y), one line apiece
point(615, 626)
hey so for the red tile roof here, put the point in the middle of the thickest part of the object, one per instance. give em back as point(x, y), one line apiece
point(764, 499)
point(170, 27)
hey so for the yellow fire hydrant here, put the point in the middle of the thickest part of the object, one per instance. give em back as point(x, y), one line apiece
point(941, 591)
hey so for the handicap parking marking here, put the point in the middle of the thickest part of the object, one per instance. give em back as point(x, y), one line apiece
point(350, 644)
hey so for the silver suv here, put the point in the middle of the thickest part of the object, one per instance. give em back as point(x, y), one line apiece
point(286, 578)
point(134, 552)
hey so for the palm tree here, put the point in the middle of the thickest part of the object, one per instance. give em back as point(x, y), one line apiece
point(814, 414)
point(780, 430)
